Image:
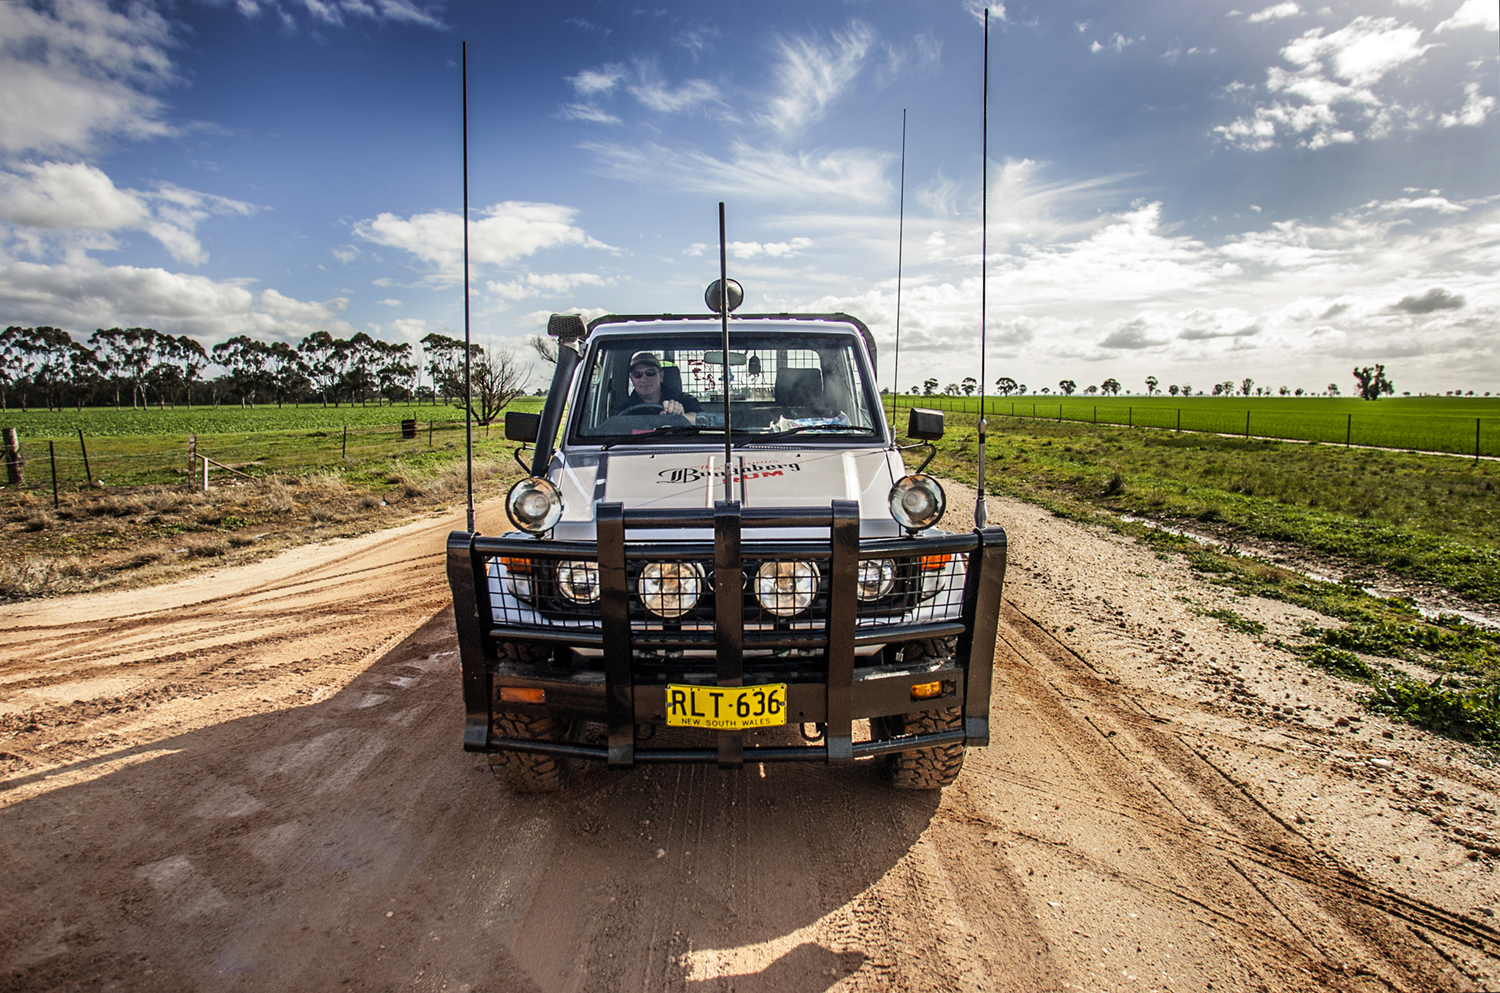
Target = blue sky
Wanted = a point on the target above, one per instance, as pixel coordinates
(1200, 192)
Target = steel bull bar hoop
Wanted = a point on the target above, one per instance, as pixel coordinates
(617, 627)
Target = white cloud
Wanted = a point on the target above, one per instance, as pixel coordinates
(591, 82)
(1118, 43)
(504, 232)
(389, 302)
(976, 9)
(774, 250)
(1480, 14)
(335, 12)
(1275, 12)
(533, 284)
(82, 295)
(1331, 95)
(1476, 108)
(810, 76)
(79, 73)
(842, 176)
(65, 197)
(655, 94)
(587, 112)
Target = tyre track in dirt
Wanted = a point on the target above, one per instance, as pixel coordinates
(300, 816)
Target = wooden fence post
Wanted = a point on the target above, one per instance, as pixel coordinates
(87, 471)
(52, 454)
(1348, 430)
(345, 453)
(192, 451)
(15, 472)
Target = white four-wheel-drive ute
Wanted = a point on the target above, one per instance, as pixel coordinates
(716, 546)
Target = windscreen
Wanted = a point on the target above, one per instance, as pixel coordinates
(672, 387)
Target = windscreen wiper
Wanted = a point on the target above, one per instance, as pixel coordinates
(778, 435)
(665, 431)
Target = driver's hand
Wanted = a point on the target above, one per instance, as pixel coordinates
(671, 407)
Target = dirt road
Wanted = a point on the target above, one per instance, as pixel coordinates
(253, 781)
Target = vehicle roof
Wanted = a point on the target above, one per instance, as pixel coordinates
(632, 324)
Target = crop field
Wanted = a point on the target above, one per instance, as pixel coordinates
(151, 446)
(1454, 425)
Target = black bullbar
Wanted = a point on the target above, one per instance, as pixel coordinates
(623, 692)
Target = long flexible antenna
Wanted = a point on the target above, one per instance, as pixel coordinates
(900, 243)
(468, 348)
(724, 319)
(981, 512)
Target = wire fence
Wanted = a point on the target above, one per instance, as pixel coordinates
(73, 462)
(1419, 432)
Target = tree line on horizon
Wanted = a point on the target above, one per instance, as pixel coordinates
(45, 366)
(1371, 383)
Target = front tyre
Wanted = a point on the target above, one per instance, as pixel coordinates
(528, 772)
(922, 768)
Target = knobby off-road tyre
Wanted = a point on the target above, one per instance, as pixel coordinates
(525, 771)
(925, 768)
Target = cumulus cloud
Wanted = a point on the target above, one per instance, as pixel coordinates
(769, 249)
(1473, 14)
(1476, 108)
(81, 295)
(81, 72)
(850, 175)
(533, 284)
(1275, 12)
(504, 232)
(1434, 299)
(811, 75)
(71, 196)
(1329, 95)
(1131, 335)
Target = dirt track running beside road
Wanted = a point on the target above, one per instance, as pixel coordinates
(253, 780)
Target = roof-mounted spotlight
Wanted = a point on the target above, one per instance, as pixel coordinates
(712, 297)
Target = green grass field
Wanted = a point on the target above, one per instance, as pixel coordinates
(150, 447)
(1427, 424)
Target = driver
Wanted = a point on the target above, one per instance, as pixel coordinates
(647, 387)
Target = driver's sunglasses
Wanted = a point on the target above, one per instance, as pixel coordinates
(643, 374)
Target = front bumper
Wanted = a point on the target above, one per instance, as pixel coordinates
(832, 684)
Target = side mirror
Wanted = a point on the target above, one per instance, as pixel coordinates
(525, 427)
(713, 296)
(925, 425)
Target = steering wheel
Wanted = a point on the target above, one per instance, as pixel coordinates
(640, 410)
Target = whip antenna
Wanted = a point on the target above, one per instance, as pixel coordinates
(900, 242)
(468, 348)
(981, 512)
(724, 323)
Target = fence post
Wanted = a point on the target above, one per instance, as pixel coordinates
(192, 451)
(52, 454)
(15, 471)
(429, 434)
(1179, 418)
(85, 448)
(1348, 430)
(1476, 441)
(344, 454)
(204, 460)
(1247, 425)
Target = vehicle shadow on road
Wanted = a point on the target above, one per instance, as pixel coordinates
(351, 843)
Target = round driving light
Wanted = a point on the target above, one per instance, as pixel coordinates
(670, 589)
(578, 581)
(876, 578)
(534, 505)
(786, 588)
(917, 502)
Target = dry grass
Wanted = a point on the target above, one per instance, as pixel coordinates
(102, 538)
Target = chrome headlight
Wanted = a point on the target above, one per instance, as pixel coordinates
(917, 502)
(877, 577)
(670, 589)
(578, 581)
(534, 505)
(786, 588)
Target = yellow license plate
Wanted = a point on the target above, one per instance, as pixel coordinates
(726, 708)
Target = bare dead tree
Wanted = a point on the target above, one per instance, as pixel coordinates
(496, 378)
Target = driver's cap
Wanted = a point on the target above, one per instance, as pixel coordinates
(645, 358)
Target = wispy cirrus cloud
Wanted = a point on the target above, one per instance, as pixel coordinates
(810, 75)
(853, 175)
